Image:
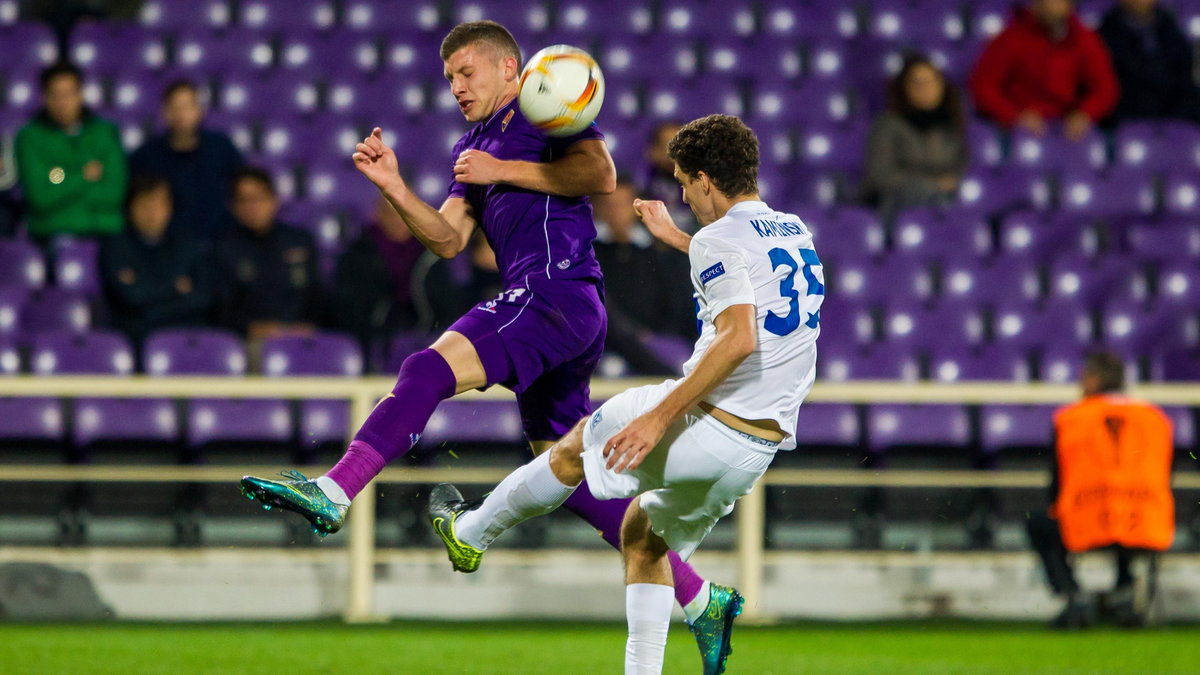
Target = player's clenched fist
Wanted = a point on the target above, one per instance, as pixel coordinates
(375, 160)
(658, 220)
(477, 168)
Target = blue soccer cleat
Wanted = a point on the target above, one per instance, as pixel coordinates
(297, 494)
(714, 629)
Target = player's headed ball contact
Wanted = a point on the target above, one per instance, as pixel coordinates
(562, 90)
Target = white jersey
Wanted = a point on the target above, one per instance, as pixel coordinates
(761, 257)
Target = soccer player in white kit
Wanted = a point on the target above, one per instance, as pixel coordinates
(686, 448)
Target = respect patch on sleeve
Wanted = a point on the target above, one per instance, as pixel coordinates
(712, 273)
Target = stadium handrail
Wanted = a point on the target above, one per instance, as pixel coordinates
(362, 394)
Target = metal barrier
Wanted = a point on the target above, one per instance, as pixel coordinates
(363, 393)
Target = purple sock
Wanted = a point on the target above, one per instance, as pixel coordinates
(607, 515)
(395, 425)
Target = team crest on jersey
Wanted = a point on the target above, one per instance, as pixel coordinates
(563, 264)
(506, 120)
(712, 273)
(596, 416)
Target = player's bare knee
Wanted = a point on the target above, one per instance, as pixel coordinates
(463, 360)
(566, 461)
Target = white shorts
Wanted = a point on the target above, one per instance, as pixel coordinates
(699, 469)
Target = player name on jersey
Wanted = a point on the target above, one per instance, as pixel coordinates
(771, 228)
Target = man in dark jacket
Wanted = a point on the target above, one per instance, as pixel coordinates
(71, 164)
(155, 276)
(269, 283)
(1045, 66)
(199, 163)
(1153, 61)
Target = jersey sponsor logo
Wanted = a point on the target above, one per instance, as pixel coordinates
(771, 228)
(712, 273)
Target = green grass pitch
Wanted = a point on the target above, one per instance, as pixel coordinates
(531, 648)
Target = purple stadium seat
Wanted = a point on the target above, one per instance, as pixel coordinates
(193, 351)
(1061, 363)
(825, 146)
(811, 187)
(879, 362)
(1167, 240)
(237, 51)
(782, 58)
(31, 419)
(846, 322)
(1178, 285)
(119, 419)
(1181, 365)
(927, 328)
(523, 19)
(1129, 328)
(10, 357)
(1142, 145)
(10, 11)
(1053, 152)
(12, 303)
(1004, 426)
(21, 92)
(1183, 420)
(867, 282)
(183, 14)
(847, 232)
(891, 425)
(988, 17)
(340, 187)
(950, 363)
(827, 424)
(380, 16)
(1118, 194)
(717, 96)
(814, 101)
(1021, 326)
(77, 266)
(28, 45)
(930, 233)
(343, 53)
(985, 144)
(285, 16)
(809, 19)
(323, 355)
(1002, 188)
(402, 346)
(1091, 282)
(109, 48)
(234, 420)
(21, 265)
(94, 353)
(49, 310)
(1002, 279)
(1040, 237)
(670, 349)
(828, 60)
(1181, 194)
(474, 421)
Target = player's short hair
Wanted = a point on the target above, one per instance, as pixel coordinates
(143, 184)
(488, 32)
(177, 86)
(1107, 368)
(721, 146)
(51, 72)
(255, 174)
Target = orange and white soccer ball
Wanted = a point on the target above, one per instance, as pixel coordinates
(562, 90)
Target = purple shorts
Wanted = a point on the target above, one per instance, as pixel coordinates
(543, 340)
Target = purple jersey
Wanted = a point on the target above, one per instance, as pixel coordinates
(533, 234)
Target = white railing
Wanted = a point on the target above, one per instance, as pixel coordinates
(364, 392)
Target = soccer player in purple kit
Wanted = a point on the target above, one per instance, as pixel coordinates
(542, 337)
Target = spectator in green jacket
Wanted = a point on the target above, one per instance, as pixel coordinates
(70, 163)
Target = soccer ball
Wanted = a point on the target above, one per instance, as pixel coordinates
(561, 90)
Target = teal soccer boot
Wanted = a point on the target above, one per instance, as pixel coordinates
(298, 494)
(714, 629)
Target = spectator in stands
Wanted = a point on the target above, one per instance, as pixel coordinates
(917, 150)
(70, 162)
(372, 294)
(268, 283)
(155, 275)
(1110, 488)
(198, 162)
(659, 179)
(1045, 66)
(634, 284)
(1153, 61)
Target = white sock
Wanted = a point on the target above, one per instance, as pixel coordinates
(532, 490)
(332, 490)
(695, 609)
(648, 611)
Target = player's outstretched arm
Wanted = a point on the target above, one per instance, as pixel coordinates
(735, 340)
(445, 231)
(658, 220)
(586, 169)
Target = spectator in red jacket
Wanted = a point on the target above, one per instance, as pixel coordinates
(1046, 65)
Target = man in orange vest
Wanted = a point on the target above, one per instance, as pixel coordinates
(1110, 488)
